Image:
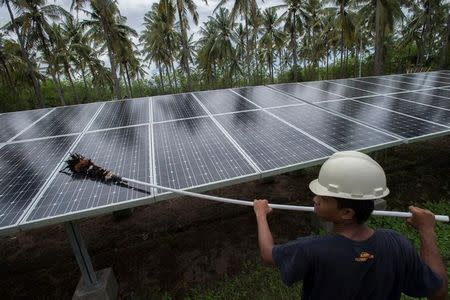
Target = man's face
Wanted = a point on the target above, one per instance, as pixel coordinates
(327, 209)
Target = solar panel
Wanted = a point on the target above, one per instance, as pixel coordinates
(13, 123)
(270, 143)
(223, 101)
(124, 150)
(395, 84)
(173, 107)
(402, 125)
(344, 91)
(305, 93)
(122, 113)
(24, 168)
(367, 86)
(338, 132)
(194, 152)
(63, 120)
(422, 97)
(266, 97)
(205, 139)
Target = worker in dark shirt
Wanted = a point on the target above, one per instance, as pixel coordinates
(355, 261)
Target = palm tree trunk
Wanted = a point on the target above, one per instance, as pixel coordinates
(83, 74)
(379, 36)
(36, 84)
(161, 76)
(66, 68)
(168, 77)
(128, 79)
(185, 51)
(445, 46)
(116, 83)
(294, 48)
(58, 86)
(174, 75)
(342, 39)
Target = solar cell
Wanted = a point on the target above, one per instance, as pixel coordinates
(393, 122)
(367, 86)
(173, 107)
(338, 132)
(395, 84)
(445, 80)
(341, 90)
(195, 152)
(422, 97)
(266, 97)
(13, 123)
(63, 120)
(429, 113)
(122, 113)
(270, 143)
(24, 168)
(223, 101)
(438, 92)
(125, 151)
(305, 93)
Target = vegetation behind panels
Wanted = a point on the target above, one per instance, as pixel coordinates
(50, 57)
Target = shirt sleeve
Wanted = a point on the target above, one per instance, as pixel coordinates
(420, 280)
(292, 259)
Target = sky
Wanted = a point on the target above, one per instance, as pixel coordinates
(134, 11)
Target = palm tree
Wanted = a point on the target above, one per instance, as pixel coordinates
(105, 19)
(25, 55)
(248, 9)
(34, 19)
(380, 15)
(294, 17)
(272, 37)
(184, 6)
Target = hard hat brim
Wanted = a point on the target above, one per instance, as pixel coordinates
(320, 190)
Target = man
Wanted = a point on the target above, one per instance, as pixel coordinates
(355, 261)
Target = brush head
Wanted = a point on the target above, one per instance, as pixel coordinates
(79, 165)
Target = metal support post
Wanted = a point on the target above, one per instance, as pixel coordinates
(81, 254)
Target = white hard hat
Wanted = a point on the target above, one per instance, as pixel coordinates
(350, 175)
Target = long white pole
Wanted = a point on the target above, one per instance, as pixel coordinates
(400, 214)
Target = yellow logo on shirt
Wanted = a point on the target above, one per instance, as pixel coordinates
(363, 257)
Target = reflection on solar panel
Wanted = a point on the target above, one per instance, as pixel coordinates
(124, 150)
(367, 86)
(194, 152)
(203, 140)
(422, 97)
(392, 83)
(338, 132)
(269, 142)
(266, 97)
(305, 93)
(173, 107)
(13, 123)
(223, 101)
(63, 120)
(344, 91)
(401, 125)
(122, 113)
(24, 168)
(429, 113)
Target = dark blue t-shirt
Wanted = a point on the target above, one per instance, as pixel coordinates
(335, 267)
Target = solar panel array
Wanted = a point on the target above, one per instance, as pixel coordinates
(203, 140)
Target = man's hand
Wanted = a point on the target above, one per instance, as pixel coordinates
(261, 207)
(422, 220)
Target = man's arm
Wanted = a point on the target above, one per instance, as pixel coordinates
(423, 221)
(265, 240)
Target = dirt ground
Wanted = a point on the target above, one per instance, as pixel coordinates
(183, 243)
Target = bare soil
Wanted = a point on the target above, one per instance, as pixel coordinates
(183, 243)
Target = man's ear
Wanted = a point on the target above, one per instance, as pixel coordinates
(347, 213)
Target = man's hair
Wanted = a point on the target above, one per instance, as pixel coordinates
(362, 208)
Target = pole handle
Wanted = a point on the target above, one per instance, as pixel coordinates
(400, 214)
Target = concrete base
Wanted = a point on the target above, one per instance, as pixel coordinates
(380, 204)
(106, 289)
